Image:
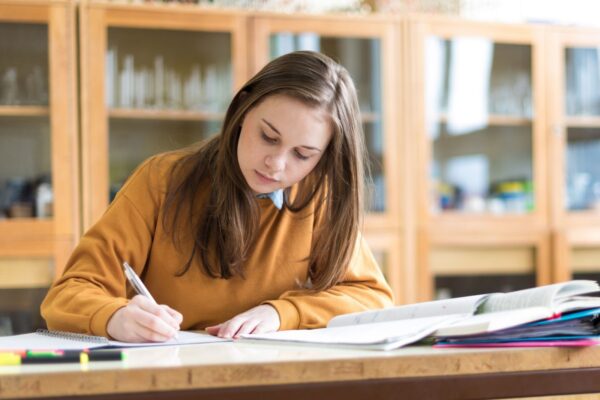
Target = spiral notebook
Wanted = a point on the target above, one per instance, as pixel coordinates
(44, 339)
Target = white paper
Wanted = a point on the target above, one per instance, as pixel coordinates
(39, 341)
(382, 335)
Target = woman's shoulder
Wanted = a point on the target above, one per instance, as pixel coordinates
(153, 174)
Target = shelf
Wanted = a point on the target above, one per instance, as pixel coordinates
(24, 111)
(583, 121)
(499, 120)
(175, 115)
(16, 228)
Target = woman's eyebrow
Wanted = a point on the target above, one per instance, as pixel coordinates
(271, 126)
(279, 133)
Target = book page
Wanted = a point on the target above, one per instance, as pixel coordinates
(577, 303)
(543, 296)
(382, 335)
(459, 305)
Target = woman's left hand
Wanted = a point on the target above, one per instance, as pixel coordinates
(259, 319)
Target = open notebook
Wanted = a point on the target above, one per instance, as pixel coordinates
(46, 340)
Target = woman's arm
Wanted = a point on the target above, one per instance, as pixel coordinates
(363, 288)
(92, 288)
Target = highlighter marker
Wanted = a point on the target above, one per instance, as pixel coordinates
(10, 359)
(59, 357)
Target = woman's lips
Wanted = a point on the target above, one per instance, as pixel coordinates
(265, 179)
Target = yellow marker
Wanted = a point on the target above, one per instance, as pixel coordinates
(84, 358)
(10, 359)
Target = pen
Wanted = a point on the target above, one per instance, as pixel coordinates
(59, 356)
(137, 284)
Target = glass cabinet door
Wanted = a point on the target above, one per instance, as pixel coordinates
(582, 147)
(25, 151)
(163, 96)
(168, 79)
(479, 121)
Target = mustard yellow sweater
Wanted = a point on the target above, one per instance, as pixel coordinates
(93, 285)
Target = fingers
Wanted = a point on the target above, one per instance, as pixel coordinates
(124, 325)
(262, 328)
(152, 326)
(230, 328)
(213, 330)
(247, 327)
(260, 319)
(175, 314)
(154, 322)
(164, 312)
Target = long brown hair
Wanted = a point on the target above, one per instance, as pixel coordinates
(225, 230)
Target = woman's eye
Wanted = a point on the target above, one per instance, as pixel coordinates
(268, 139)
(301, 156)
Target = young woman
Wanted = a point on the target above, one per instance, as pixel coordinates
(254, 230)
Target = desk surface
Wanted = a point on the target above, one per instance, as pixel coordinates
(213, 369)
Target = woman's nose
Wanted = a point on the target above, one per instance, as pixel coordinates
(275, 162)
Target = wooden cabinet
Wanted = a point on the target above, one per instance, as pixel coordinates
(368, 48)
(481, 173)
(154, 78)
(39, 186)
(574, 131)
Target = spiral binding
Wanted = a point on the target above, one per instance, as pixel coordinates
(78, 337)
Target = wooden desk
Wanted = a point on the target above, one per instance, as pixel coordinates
(257, 371)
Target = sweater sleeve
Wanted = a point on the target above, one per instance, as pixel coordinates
(362, 288)
(92, 286)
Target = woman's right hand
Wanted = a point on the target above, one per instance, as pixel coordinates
(142, 320)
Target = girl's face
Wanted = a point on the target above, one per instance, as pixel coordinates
(281, 141)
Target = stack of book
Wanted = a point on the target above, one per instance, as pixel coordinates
(562, 314)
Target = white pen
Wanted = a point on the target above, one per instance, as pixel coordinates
(137, 284)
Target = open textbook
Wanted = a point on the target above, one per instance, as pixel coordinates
(45, 340)
(394, 327)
